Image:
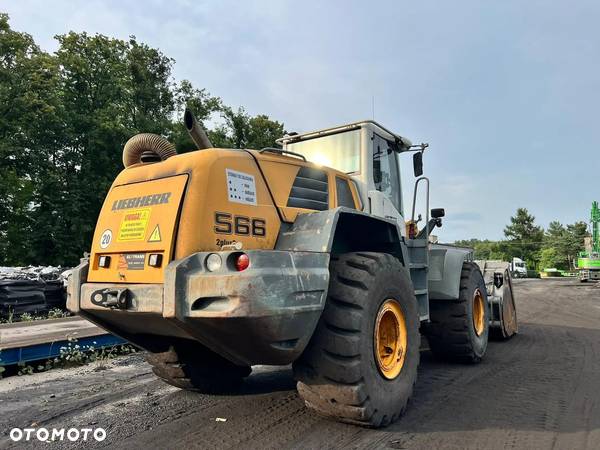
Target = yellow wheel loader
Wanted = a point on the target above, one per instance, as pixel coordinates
(218, 259)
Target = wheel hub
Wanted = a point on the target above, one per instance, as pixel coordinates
(478, 312)
(390, 339)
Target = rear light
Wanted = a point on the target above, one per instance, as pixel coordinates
(104, 261)
(155, 259)
(213, 262)
(242, 262)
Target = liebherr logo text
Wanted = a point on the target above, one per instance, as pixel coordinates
(146, 200)
(57, 434)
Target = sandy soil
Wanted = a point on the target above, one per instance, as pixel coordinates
(538, 390)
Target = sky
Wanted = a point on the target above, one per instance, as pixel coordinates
(506, 93)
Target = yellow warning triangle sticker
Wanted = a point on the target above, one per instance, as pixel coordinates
(155, 236)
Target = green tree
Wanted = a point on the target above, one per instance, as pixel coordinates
(71, 181)
(524, 237)
(555, 239)
(29, 130)
(549, 258)
(202, 104)
(565, 243)
(483, 249)
(243, 131)
(152, 99)
(263, 132)
(575, 236)
(555, 234)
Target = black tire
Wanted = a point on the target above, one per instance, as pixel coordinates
(337, 374)
(451, 332)
(191, 366)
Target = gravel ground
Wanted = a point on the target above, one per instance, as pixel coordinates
(541, 389)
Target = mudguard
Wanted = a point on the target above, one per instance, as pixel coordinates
(342, 230)
(445, 267)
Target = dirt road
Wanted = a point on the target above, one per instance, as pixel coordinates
(538, 390)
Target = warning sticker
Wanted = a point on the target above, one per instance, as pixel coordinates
(133, 225)
(155, 235)
(241, 187)
(131, 261)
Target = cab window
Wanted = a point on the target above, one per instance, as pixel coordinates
(339, 151)
(344, 194)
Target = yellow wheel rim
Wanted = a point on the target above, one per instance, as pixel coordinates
(478, 312)
(390, 339)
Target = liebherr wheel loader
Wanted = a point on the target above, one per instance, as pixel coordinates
(216, 260)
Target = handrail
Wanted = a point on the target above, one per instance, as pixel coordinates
(427, 204)
(281, 152)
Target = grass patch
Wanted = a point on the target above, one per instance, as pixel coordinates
(54, 313)
(72, 355)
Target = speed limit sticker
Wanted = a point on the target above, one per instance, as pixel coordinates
(105, 239)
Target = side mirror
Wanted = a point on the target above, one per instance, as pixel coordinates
(437, 213)
(418, 164)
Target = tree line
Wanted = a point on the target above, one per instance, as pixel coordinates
(64, 118)
(556, 247)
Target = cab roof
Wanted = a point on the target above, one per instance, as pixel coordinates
(290, 138)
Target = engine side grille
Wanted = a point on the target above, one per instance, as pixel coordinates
(310, 190)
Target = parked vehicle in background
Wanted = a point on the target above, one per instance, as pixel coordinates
(588, 263)
(518, 269)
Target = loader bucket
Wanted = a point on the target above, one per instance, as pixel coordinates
(503, 317)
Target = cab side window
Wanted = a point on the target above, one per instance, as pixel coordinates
(344, 194)
(385, 170)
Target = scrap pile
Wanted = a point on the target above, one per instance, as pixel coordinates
(31, 289)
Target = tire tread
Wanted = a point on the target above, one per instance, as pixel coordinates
(329, 374)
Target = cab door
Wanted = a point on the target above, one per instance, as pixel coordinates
(386, 199)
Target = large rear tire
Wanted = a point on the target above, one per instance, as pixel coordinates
(361, 363)
(459, 329)
(191, 366)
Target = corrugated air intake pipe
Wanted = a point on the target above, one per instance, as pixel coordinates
(145, 148)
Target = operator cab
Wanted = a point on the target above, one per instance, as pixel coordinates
(369, 154)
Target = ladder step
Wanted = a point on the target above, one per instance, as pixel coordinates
(420, 291)
(417, 265)
(416, 243)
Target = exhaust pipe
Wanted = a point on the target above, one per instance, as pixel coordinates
(196, 132)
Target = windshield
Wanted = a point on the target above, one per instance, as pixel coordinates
(339, 151)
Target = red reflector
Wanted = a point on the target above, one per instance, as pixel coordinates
(242, 262)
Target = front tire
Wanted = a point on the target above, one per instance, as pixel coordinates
(361, 363)
(459, 329)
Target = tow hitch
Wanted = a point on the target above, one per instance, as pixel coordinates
(111, 298)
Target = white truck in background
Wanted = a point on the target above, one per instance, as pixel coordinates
(518, 268)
